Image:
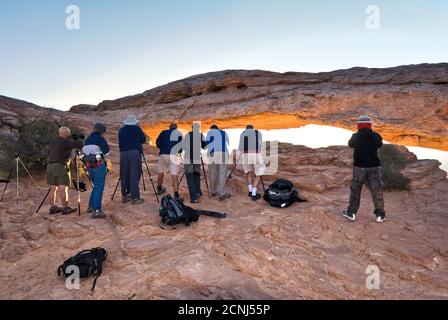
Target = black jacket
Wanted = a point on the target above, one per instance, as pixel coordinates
(365, 144)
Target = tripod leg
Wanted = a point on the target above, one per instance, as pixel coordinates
(29, 174)
(42, 203)
(77, 184)
(262, 184)
(206, 181)
(9, 179)
(150, 178)
(143, 180)
(182, 178)
(116, 188)
(17, 175)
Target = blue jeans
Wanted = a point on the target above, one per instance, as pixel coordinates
(98, 176)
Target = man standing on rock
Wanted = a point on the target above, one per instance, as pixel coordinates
(169, 143)
(366, 169)
(193, 144)
(58, 172)
(218, 157)
(251, 142)
(131, 138)
(96, 151)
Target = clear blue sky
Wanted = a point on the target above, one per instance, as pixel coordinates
(127, 47)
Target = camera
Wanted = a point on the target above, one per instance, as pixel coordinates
(78, 136)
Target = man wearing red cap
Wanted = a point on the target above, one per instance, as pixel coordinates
(366, 169)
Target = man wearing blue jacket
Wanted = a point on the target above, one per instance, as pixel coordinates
(169, 143)
(131, 138)
(96, 151)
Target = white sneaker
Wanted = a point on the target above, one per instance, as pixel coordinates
(380, 219)
(349, 216)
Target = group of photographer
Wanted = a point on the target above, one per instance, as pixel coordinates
(172, 143)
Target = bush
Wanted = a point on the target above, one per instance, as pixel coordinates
(392, 162)
(30, 142)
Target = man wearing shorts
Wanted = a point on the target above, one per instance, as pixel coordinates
(251, 142)
(169, 143)
(58, 172)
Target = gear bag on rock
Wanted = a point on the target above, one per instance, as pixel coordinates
(89, 263)
(281, 194)
(174, 211)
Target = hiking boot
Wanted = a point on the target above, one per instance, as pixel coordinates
(160, 190)
(249, 194)
(68, 210)
(89, 210)
(178, 197)
(200, 194)
(224, 197)
(98, 214)
(349, 216)
(125, 199)
(256, 197)
(55, 209)
(214, 195)
(137, 201)
(194, 201)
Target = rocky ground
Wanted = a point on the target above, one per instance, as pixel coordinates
(307, 251)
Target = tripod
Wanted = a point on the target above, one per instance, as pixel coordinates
(143, 178)
(15, 165)
(205, 176)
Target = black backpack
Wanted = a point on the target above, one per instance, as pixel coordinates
(89, 262)
(174, 211)
(281, 194)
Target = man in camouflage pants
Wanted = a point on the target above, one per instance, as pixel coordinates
(366, 169)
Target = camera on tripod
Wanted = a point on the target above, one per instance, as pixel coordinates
(78, 136)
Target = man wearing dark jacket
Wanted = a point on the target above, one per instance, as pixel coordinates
(169, 143)
(131, 138)
(193, 144)
(96, 151)
(366, 169)
(58, 172)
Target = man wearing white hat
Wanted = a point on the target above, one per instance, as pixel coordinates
(366, 169)
(131, 138)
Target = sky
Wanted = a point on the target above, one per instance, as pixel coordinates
(127, 47)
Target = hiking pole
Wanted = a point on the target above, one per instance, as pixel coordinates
(150, 177)
(116, 188)
(205, 175)
(77, 183)
(42, 203)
